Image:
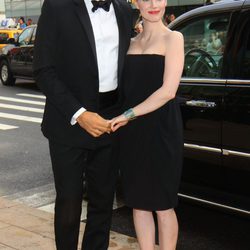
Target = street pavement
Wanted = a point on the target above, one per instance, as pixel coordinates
(26, 177)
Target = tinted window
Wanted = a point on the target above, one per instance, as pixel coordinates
(205, 40)
(25, 36)
(246, 62)
(245, 39)
(3, 37)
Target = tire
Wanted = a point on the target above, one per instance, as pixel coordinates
(6, 75)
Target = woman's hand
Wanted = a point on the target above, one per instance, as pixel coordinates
(118, 122)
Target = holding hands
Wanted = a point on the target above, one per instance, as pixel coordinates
(118, 122)
(96, 126)
(122, 120)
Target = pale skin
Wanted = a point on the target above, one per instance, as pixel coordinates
(156, 38)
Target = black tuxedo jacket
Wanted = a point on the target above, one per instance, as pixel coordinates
(65, 66)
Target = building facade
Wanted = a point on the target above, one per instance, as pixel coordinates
(32, 8)
(2, 10)
(25, 8)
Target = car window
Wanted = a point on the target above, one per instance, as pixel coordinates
(246, 61)
(3, 38)
(32, 41)
(205, 40)
(245, 39)
(25, 36)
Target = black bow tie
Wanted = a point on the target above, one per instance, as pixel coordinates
(105, 4)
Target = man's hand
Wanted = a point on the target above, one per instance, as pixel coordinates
(93, 123)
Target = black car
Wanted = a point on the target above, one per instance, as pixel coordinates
(215, 102)
(16, 59)
(214, 96)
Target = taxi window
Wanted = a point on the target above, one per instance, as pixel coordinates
(3, 38)
(205, 40)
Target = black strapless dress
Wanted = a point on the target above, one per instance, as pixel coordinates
(150, 147)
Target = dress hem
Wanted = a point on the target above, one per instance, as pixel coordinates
(152, 209)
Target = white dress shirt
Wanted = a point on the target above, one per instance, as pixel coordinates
(106, 36)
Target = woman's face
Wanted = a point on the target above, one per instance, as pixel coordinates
(151, 10)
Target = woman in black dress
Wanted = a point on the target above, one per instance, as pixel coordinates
(151, 145)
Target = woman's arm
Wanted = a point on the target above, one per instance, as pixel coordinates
(174, 61)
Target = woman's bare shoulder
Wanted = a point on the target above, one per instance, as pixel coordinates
(173, 36)
(173, 41)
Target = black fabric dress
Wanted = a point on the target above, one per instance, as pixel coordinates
(151, 145)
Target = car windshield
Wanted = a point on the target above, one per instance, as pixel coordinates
(3, 38)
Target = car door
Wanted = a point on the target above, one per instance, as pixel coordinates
(30, 55)
(201, 95)
(18, 54)
(236, 124)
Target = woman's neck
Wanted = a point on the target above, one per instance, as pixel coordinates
(152, 29)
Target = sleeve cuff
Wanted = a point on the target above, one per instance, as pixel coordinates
(76, 115)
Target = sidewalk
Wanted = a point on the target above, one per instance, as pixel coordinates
(26, 228)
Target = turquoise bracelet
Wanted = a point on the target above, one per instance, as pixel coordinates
(129, 114)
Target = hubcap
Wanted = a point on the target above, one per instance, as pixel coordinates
(4, 73)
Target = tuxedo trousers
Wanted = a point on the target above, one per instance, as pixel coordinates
(70, 165)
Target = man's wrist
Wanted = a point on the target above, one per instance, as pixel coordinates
(76, 115)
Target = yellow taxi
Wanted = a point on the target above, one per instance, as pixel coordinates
(6, 34)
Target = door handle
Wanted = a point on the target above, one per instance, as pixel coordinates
(201, 103)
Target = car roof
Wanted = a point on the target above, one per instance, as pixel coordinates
(10, 31)
(220, 6)
(7, 29)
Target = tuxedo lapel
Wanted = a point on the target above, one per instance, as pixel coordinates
(120, 17)
(82, 13)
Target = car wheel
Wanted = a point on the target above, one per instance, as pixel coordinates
(6, 76)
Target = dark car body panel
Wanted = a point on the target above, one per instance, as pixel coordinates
(20, 56)
(216, 116)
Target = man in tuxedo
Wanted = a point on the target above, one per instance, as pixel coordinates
(79, 55)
